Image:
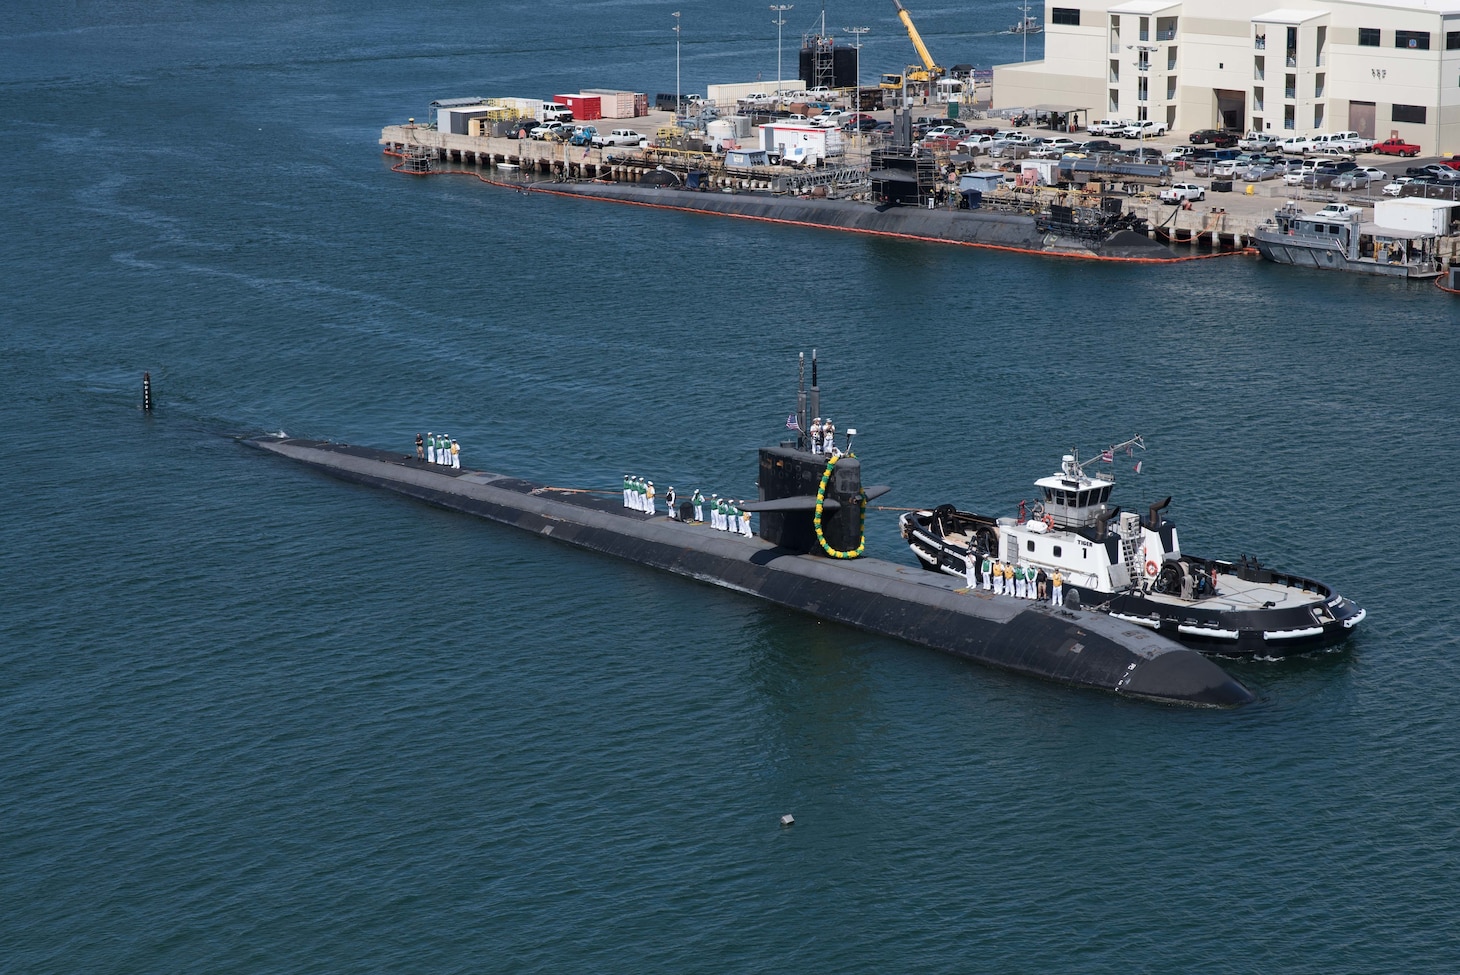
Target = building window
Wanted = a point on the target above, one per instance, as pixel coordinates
(1413, 40)
(1452, 40)
(1069, 16)
(1368, 37)
(1114, 101)
(1409, 113)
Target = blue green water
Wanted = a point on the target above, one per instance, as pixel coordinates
(252, 719)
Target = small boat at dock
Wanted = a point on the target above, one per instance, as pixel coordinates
(1338, 238)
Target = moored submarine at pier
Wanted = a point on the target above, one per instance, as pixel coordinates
(808, 557)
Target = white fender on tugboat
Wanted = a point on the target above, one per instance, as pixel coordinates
(1207, 631)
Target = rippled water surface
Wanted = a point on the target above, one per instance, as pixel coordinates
(253, 719)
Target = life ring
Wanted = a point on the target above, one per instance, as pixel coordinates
(1151, 567)
(1048, 522)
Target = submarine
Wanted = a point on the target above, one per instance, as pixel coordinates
(808, 556)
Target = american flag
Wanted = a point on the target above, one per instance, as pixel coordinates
(791, 423)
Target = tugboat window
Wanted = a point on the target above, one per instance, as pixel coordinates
(1029, 545)
(1057, 551)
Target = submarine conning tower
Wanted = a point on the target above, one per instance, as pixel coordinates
(790, 480)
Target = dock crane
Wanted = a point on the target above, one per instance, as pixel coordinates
(923, 74)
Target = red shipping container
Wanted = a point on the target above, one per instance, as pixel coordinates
(584, 107)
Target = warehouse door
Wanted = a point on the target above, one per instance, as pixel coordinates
(1361, 118)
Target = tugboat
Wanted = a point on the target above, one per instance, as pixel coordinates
(1131, 567)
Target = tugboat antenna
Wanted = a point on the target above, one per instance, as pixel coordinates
(1104, 455)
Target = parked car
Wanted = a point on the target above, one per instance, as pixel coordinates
(1142, 154)
(829, 119)
(954, 132)
(1144, 130)
(1100, 145)
(1335, 150)
(1217, 137)
(1298, 145)
(550, 130)
(1394, 188)
(1177, 152)
(1437, 171)
(1396, 147)
(1352, 180)
(1182, 193)
(819, 93)
(1256, 172)
(1374, 173)
(1053, 148)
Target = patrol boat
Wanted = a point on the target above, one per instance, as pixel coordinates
(1131, 567)
(809, 556)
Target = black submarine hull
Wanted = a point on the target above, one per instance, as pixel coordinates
(1071, 647)
(974, 228)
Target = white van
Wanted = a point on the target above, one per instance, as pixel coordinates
(553, 112)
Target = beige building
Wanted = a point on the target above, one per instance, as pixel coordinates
(1379, 67)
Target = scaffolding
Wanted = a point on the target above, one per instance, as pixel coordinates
(844, 179)
(418, 159)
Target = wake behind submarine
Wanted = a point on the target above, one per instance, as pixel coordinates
(808, 557)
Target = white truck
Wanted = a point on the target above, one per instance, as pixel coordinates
(1255, 141)
(620, 137)
(1182, 193)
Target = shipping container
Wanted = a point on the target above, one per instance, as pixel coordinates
(613, 103)
(585, 108)
(1421, 216)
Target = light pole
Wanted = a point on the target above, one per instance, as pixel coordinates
(779, 9)
(857, 32)
(678, 98)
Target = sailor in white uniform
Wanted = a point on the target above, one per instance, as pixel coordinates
(745, 524)
(455, 456)
(816, 435)
(430, 447)
(649, 498)
(627, 480)
(828, 436)
(699, 503)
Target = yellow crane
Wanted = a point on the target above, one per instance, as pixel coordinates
(929, 71)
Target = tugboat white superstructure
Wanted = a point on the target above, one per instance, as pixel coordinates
(1131, 567)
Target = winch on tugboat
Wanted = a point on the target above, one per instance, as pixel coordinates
(1130, 566)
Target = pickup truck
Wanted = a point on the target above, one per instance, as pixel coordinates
(1182, 192)
(1257, 142)
(1396, 147)
(619, 137)
(1144, 130)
